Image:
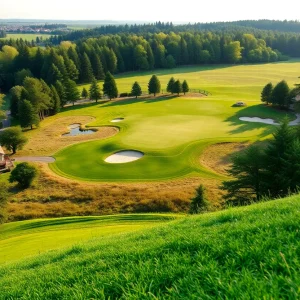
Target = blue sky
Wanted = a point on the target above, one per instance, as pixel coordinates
(151, 10)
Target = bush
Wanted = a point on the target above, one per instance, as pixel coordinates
(24, 174)
(199, 203)
(124, 95)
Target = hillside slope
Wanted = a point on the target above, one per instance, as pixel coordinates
(242, 253)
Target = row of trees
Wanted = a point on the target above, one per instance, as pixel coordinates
(271, 172)
(93, 57)
(175, 87)
(279, 95)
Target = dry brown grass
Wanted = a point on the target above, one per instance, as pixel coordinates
(53, 196)
(217, 157)
(48, 139)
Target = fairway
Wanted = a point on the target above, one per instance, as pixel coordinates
(25, 36)
(173, 131)
(22, 239)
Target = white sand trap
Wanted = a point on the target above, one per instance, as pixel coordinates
(125, 156)
(117, 120)
(73, 126)
(270, 121)
(259, 120)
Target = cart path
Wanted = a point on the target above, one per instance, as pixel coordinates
(43, 159)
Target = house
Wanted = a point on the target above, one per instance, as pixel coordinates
(5, 162)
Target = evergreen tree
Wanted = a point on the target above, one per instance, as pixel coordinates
(177, 87)
(56, 105)
(140, 56)
(97, 66)
(185, 87)
(199, 202)
(136, 90)
(154, 85)
(37, 63)
(266, 94)
(71, 68)
(280, 94)
(27, 115)
(84, 93)
(71, 90)
(15, 97)
(61, 92)
(170, 85)
(110, 87)
(150, 56)
(95, 93)
(86, 74)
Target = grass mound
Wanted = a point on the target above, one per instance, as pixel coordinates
(245, 253)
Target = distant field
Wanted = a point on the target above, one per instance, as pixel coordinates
(25, 36)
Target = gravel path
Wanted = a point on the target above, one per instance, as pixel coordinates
(44, 159)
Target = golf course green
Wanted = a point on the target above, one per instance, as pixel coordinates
(173, 131)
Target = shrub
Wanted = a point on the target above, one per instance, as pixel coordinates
(124, 95)
(199, 203)
(24, 174)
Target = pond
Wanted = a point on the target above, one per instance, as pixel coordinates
(76, 130)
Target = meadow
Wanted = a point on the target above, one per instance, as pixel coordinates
(240, 253)
(25, 36)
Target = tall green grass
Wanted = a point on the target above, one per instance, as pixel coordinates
(243, 253)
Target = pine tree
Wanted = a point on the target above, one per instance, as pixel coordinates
(71, 90)
(266, 94)
(136, 90)
(86, 74)
(56, 105)
(154, 85)
(110, 87)
(27, 115)
(199, 202)
(177, 87)
(170, 85)
(95, 93)
(280, 94)
(97, 66)
(150, 56)
(61, 92)
(84, 93)
(185, 87)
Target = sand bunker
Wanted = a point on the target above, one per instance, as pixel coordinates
(270, 121)
(117, 120)
(125, 156)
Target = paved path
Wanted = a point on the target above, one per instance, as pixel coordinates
(44, 159)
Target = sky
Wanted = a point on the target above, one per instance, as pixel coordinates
(151, 10)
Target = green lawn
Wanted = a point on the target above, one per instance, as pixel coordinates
(242, 253)
(25, 36)
(27, 238)
(171, 131)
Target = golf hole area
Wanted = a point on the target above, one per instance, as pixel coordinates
(117, 120)
(124, 156)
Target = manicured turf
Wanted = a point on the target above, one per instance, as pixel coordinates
(25, 36)
(26, 238)
(244, 253)
(171, 131)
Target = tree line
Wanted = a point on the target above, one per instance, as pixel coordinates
(94, 57)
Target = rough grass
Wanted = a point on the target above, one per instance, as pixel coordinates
(244, 253)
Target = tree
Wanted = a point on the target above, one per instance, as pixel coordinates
(280, 94)
(21, 75)
(185, 87)
(56, 104)
(61, 91)
(97, 66)
(170, 85)
(248, 171)
(12, 139)
(27, 115)
(95, 93)
(154, 85)
(177, 87)
(199, 203)
(24, 173)
(86, 74)
(232, 52)
(2, 114)
(71, 90)
(110, 87)
(84, 93)
(136, 90)
(170, 62)
(266, 94)
(140, 56)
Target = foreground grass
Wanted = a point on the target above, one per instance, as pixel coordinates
(244, 253)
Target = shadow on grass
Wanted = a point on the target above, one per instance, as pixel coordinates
(261, 111)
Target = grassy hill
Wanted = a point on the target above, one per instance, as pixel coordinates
(242, 253)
